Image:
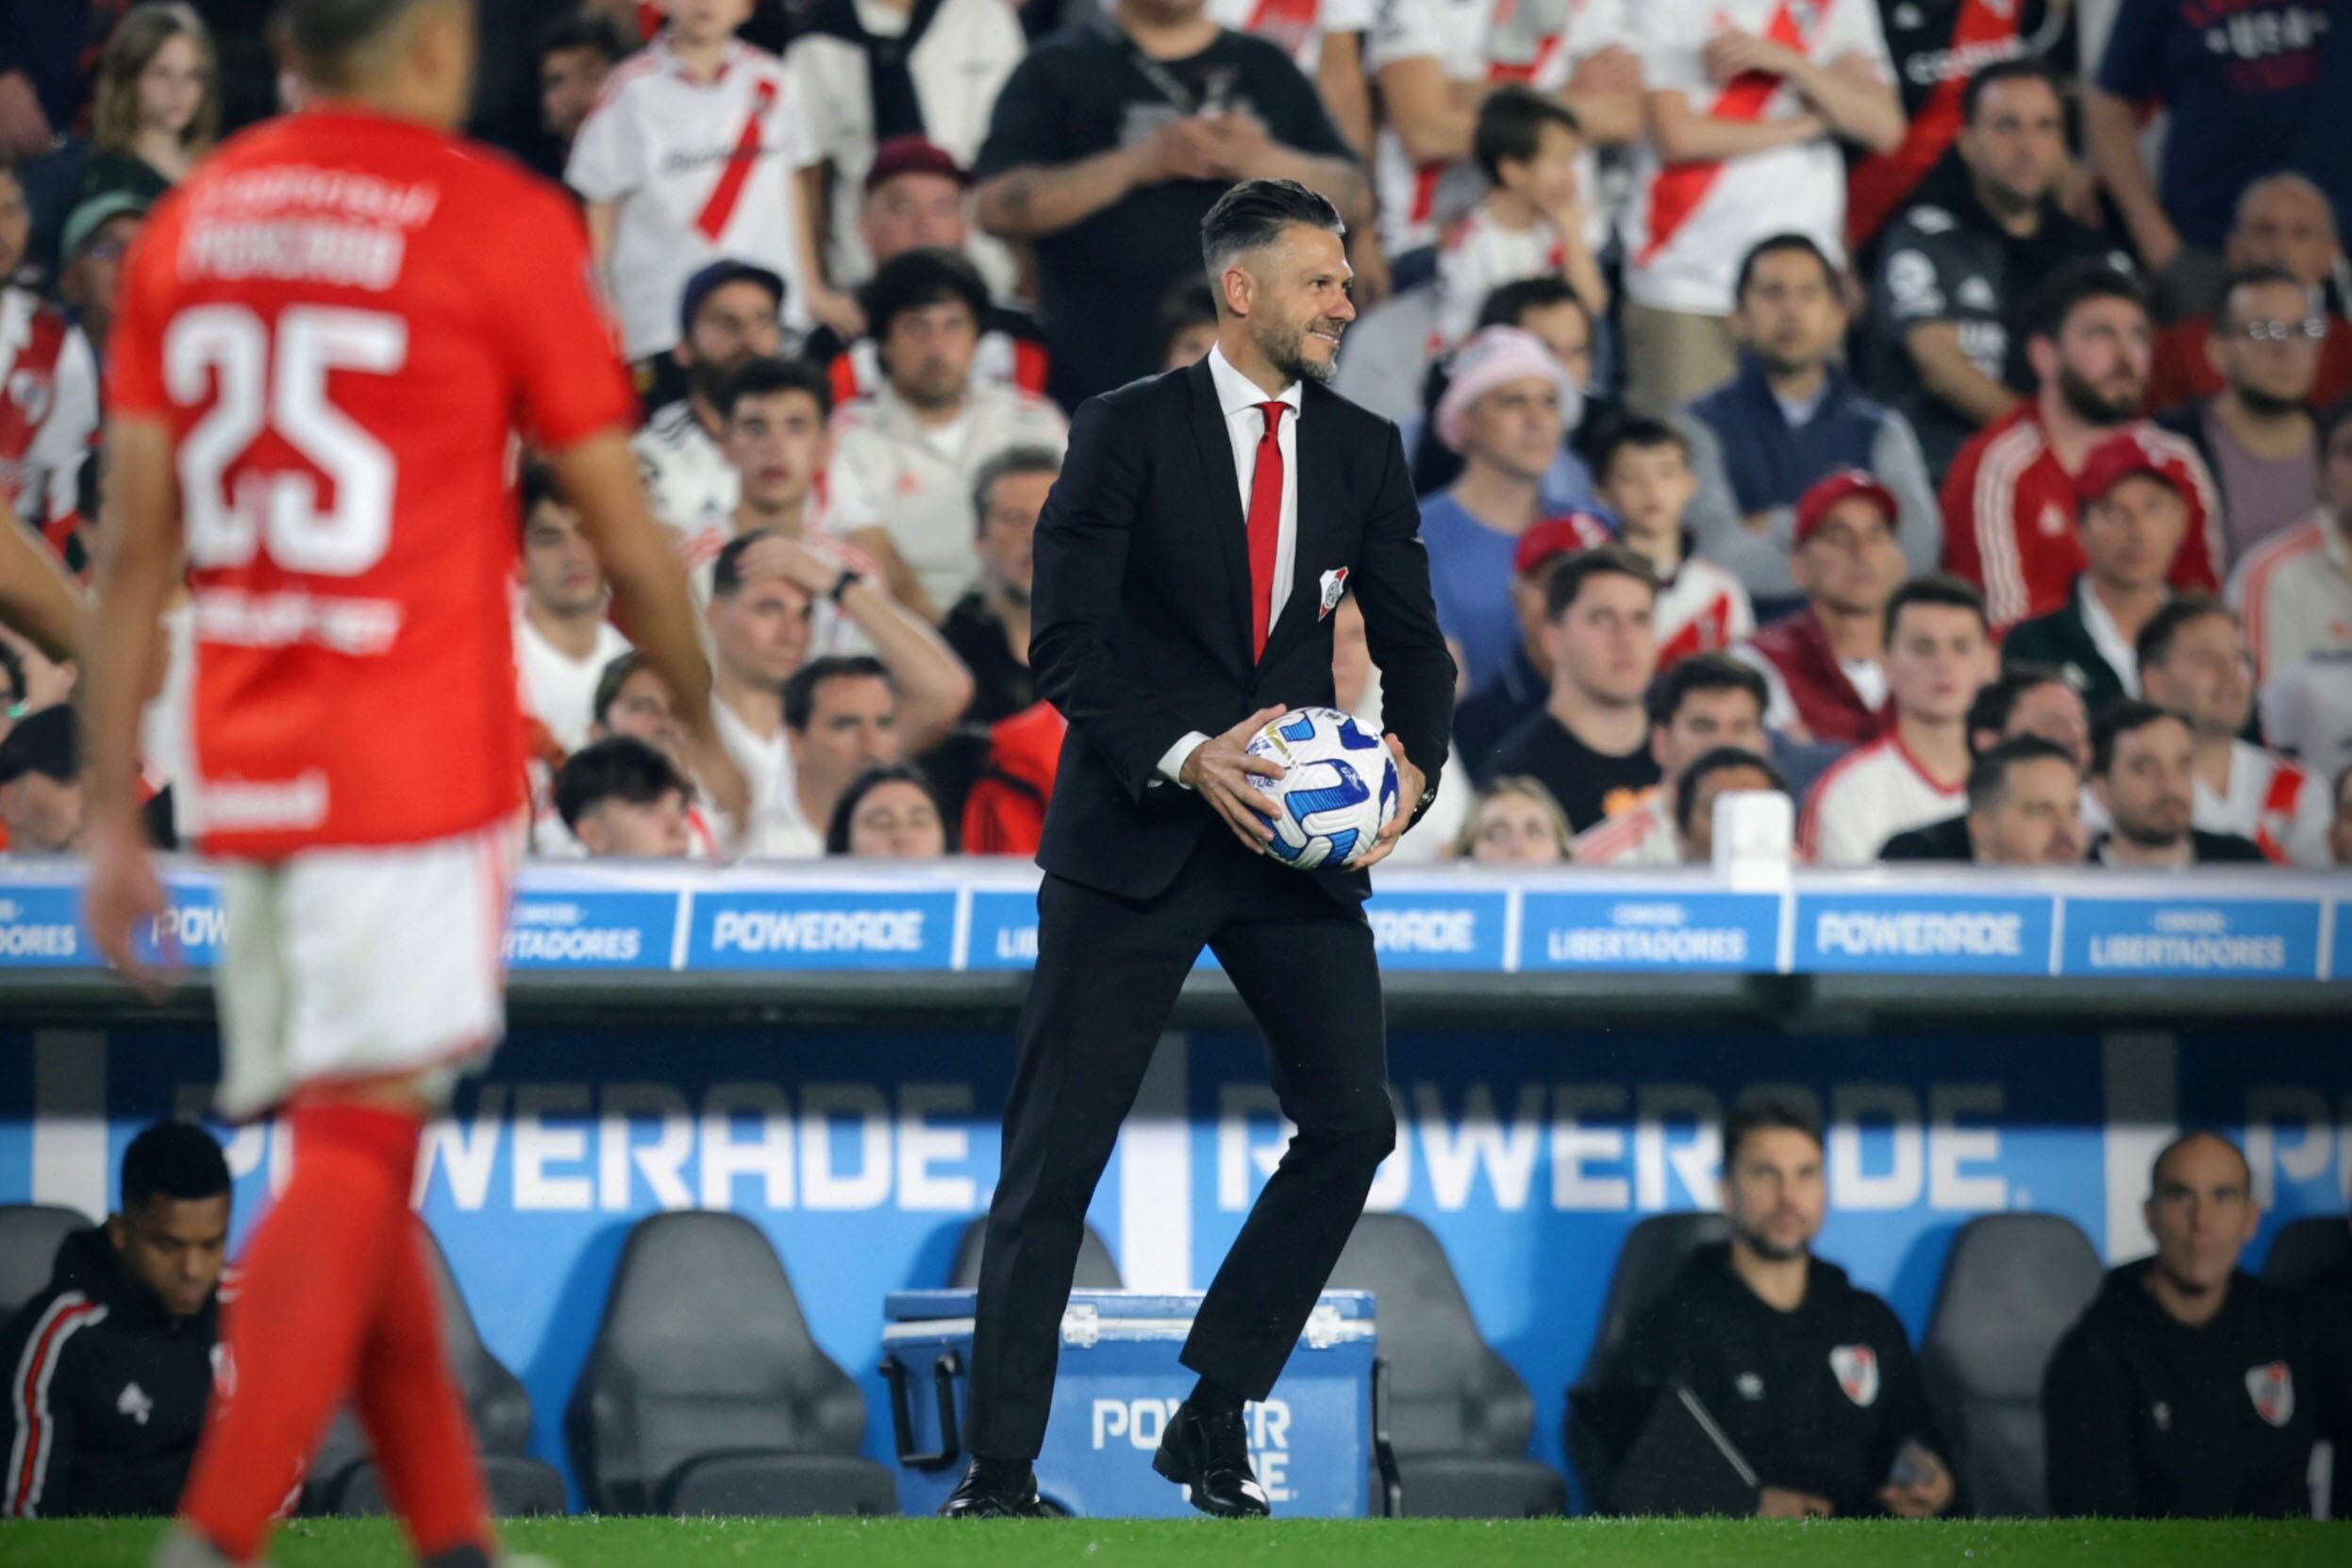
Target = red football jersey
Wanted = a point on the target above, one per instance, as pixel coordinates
(345, 319)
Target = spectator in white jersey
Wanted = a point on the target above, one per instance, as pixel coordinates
(1703, 703)
(889, 812)
(1643, 467)
(1939, 654)
(632, 700)
(562, 639)
(2294, 588)
(622, 798)
(1719, 771)
(728, 317)
(1532, 221)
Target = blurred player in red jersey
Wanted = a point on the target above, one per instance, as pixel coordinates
(324, 342)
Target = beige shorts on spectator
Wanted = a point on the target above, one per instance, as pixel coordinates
(362, 963)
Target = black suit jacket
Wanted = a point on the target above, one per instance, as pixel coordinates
(1141, 615)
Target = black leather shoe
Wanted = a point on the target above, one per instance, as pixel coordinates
(995, 1489)
(1209, 1457)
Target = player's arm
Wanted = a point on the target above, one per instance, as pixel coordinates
(598, 476)
(37, 600)
(121, 643)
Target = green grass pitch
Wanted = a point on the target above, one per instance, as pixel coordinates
(1284, 1544)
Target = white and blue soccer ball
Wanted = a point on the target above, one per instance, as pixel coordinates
(1338, 790)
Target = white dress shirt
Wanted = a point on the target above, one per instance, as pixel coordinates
(1237, 397)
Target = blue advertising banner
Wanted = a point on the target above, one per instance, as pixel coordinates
(796, 928)
(1422, 927)
(40, 927)
(1003, 930)
(593, 929)
(1632, 930)
(2187, 938)
(1956, 931)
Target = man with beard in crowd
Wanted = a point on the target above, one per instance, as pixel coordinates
(729, 315)
(2143, 779)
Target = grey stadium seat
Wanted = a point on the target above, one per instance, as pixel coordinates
(705, 1394)
(1653, 1254)
(1095, 1271)
(2013, 1285)
(2307, 1248)
(29, 1237)
(1459, 1417)
(343, 1479)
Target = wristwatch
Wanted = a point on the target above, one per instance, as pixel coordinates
(842, 584)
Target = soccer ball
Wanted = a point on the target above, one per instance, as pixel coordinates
(1339, 788)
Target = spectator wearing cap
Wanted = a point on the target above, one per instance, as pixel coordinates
(1550, 309)
(622, 798)
(915, 200)
(917, 444)
(2023, 702)
(97, 234)
(40, 783)
(1790, 415)
(2010, 498)
(2144, 786)
(1822, 664)
(1706, 702)
(2294, 588)
(2283, 220)
(1588, 743)
(1718, 772)
(2134, 513)
(1938, 656)
(1108, 148)
(867, 72)
(1519, 688)
(2257, 435)
(2193, 662)
(660, 161)
(1504, 412)
(574, 56)
(1645, 480)
(156, 106)
(727, 316)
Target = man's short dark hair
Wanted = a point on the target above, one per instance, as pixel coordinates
(619, 767)
(727, 571)
(2076, 284)
(1568, 578)
(2121, 718)
(1638, 431)
(846, 808)
(172, 1160)
(2155, 643)
(610, 680)
(800, 692)
(591, 30)
(1936, 588)
(1713, 761)
(1998, 697)
(1004, 465)
(1191, 303)
(13, 678)
(769, 375)
(1783, 244)
(931, 274)
(1704, 672)
(1764, 1112)
(1510, 304)
(48, 742)
(1252, 215)
(2018, 68)
(1988, 774)
(328, 36)
(535, 487)
(1511, 127)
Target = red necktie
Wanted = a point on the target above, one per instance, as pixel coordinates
(1265, 526)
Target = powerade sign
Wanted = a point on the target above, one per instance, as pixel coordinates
(593, 930)
(2187, 939)
(1948, 932)
(1621, 932)
(810, 930)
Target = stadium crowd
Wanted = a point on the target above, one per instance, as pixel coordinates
(1835, 396)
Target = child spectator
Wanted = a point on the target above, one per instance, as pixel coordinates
(1532, 220)
(1646, 478)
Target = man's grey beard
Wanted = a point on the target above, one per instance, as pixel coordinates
(1288, 354)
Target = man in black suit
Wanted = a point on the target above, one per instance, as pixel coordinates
(1206, 523)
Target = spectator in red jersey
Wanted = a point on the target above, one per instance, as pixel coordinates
(728, 317)
(1722, 771)
(562, 639)
(2009, 500)
(888, 813)
(914, 200)
(1004, 813)
(2283, 220)
(2193, 661)
(1513, 821)
(2134, 514)
(1589, 744)
(1517, 692)
(1646, 478)
(1823, 663)
(1939, 653)
(1708, 701)
(622, 798)
(2257, 435)
(49, 401)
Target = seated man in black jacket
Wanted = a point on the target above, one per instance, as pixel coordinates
(2189, 1388)
(1811, 1380)
(113, 1363)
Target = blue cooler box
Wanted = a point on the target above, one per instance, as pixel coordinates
(1310, 1440)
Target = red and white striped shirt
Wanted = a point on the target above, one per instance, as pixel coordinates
(35, 1444)
(1701, 608)
(2008, 518)
(1867, 797)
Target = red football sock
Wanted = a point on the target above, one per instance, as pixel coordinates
(415, 1415)
(312, 1275)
